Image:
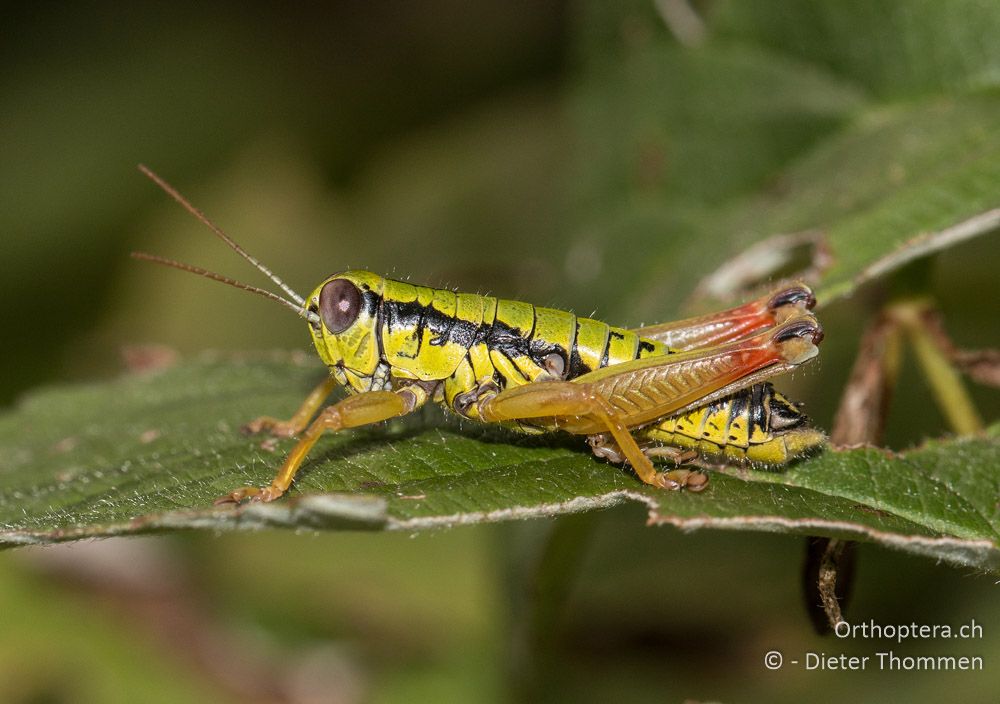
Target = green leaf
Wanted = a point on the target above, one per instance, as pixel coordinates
(150, 453)
(780, 123)
(892, 47)
(652, 123)
(897, 185)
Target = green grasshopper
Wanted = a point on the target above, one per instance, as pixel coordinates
(681, 390)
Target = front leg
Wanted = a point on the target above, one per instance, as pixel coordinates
(298, 422)
(352, 412)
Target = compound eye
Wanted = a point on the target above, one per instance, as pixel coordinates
(339, 305)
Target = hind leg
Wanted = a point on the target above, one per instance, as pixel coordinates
(733, 324)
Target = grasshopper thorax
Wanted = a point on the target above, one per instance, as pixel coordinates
(343, 318)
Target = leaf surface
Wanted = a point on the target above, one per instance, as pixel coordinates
(148, 453)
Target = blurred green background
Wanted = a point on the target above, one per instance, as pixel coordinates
(571, 154)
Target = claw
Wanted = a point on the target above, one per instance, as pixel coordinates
(678, 479)
(696, 481)
(605, 448)
(252, 493)
(676, 455)
(275, 427)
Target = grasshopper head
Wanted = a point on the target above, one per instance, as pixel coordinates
(342, 313)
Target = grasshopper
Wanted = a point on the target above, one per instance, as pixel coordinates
(682, 390)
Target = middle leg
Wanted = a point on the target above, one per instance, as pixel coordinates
(300, 420)
(604, 447)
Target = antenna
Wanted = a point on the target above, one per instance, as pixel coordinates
(173, 193)
(223, 279)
